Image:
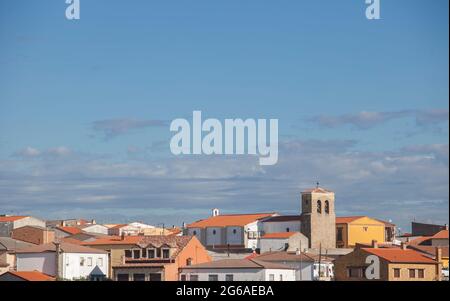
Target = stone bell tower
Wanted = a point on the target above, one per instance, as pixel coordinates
(319, 218)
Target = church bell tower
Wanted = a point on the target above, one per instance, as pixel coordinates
(319, 218)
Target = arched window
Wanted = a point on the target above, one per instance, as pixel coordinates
(195, 232)
(234, 231)
(287, 229)
(327, 206)
(319, 206)
(214, 232)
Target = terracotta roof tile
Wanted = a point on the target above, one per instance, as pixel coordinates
(229, 220)
(347, 219)
(32, 276)
(317, 190)
(443, 234)
(11, 218)
(399, 256)
(70, 230)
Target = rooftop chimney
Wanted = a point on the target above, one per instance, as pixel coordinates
(446, 227)
(438, 254)
(57, 259)
(122, 236)
(404, 246)
(374, 244)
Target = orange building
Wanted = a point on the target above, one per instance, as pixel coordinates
(150, 258)
(395, 264)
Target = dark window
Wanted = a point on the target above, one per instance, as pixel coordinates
(396, 273)
(166, 253)
(214, 232)
(128, 253)
(138, 277)
(287, 229)
(229, 277)
(183, 277)
(327, 206)
(158, 253)
(123, 277)
(319, 206)
(421, 273)
(151, 253)
(155, 277)
(340, 234)
(194, 278)
(213, 277)
(234, 231)
(144, 253)
(355, 272)
(136, 254)
(189, 261)
(195, 233)
(412, 273)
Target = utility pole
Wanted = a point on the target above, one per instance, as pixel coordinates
(301, 262)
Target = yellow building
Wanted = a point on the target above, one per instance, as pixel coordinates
(352, 230)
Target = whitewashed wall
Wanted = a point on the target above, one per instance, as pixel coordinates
(73, 270)
(42, 262)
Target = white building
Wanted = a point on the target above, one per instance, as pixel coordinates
(135, 228)
(306, 265)
(282, 223)
(237, 270)
(72, 262)
(283, 241)
(234, 231)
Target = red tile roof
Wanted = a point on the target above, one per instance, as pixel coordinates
(239, 220)
(347, 219)
(399, 256)
(443, 234)
(11, 218)
(280, 235)
(32, 276)
(70, 230)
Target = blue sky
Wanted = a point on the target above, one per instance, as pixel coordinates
(84, 106)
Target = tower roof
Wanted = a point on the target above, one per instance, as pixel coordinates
(317, 190)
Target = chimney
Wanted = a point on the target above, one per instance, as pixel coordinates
(215, 212)
(404, 245)
(57, 259)
(122, 236)
(446, 227)
(374, 244)
(438, 254)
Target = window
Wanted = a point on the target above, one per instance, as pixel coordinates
(194, 277)
(396, 273)
(340, 235)
(271, 277)
(123, 277)
(166, 253)
(183, 277)
(234, 231)
(213, 277)
(151, 253)
(214, 232)
(365, 229)
(421, 273)
(158, 253)
(355, 272)
(319, 206)
(100, 262)
(327, 206)
(136, 254)
(281, 277)
(155, 277)
(189, 261)
(81, 261)
(229, 277)
(195, 232)
(412, 273)
(138, 277)
(144, 253)
(128, 253)
(287, 229)
(89, 261)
